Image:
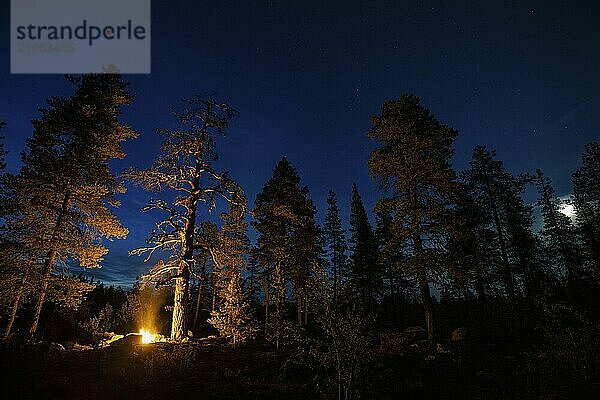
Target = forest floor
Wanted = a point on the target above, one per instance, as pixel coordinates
(209, 370)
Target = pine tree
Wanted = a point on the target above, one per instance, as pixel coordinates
(586, 199)
(12, 257)
(335, 240)
(498, 195)
(15, 258)
(524, 245)
(234, 318)
(287, 245)
(65, 187)
(364, 253)
(412, 165)
(471, 244)
(491, 184)
(558, 229)
(185, 167)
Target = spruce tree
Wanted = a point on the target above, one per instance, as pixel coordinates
(234, 318)
(185, 168)
(228, 250)
(335, 241)
(586, 199)
(364, 253)
(412, 166)
(65, 187)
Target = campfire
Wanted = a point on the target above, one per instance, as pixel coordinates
(149, 337)
(143, 336)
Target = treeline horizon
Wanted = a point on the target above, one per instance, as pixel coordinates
(469, 233)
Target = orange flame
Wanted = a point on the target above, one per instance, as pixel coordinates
(147, 336)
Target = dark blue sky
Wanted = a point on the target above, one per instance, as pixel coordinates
(520, 77)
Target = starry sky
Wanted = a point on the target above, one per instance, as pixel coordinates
(517, 76)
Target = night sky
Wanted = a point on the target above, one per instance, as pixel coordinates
(520, 78)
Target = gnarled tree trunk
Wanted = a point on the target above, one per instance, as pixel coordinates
(178, 322)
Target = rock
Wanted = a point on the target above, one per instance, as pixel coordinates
(415, 333)
(130, 340)
(460, 334)
(81, 347)
(56, 347)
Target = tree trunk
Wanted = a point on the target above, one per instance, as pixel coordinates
(305, 309)
(479, 288)
(267, 310)
(198, 306)
(49, 265)
(393, 300)
(15, 305)
(427, 308)
(214, 295)
(424, 289)
(299, 308)
(506, 272)
(178, 321)
(479, 283)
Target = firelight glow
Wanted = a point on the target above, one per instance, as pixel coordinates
(147, 336)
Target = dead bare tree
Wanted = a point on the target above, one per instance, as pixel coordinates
(184, 167)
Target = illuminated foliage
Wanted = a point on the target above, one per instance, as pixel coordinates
(234, 317)
(64, 191)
